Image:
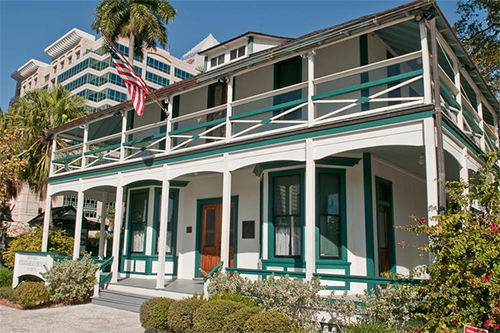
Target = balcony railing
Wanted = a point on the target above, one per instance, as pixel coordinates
(376, 88)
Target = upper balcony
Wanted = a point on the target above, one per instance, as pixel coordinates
(332, 76)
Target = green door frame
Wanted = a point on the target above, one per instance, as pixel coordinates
(390, 222)
(199, 211)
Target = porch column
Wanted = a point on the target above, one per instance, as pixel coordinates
(226, 213)
(431, 175)
(310, 87)
(102, 230)
(464, 171)
(229, 107)
(162, 240)
(78, 223)
(310, 213)
(47, 221)
(426, 66)
(117, 227)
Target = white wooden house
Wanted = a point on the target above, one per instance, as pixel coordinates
(295, 156)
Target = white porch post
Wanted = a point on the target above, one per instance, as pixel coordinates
(47, 220)
(426, 66)
(162, 248)
(226, 213)
(117, 226)
(229, 107)
(310, 213)
(431, 175)
(310, 87)
(102, 230)
(78, 223)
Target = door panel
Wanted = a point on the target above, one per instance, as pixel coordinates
(383, 228)
(211, 231)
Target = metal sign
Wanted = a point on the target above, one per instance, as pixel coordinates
(472, 329)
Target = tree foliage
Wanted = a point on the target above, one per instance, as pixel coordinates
(32, 116)
(32, 241)
(479, 30)
(142, 22)
(464, 281)
(11, 164)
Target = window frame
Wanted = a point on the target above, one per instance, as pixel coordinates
(129, 222)
(342, 258)
(271, 223)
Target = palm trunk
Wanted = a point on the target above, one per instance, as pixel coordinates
(131, 49)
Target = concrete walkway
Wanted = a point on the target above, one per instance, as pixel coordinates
(86, 318)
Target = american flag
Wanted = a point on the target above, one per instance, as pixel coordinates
(136, 88)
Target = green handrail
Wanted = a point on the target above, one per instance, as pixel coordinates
(214, 270)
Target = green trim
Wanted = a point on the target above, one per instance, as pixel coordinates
(65, 158)
(176, 101)
(261, 215)
(368, 85)
(143, 183)
(368, 202)
(270, 109)
(390, 223)
(329, 160)
(363, 100)
(199, 211)
(250, 45)
(258, 144)
(363, 50)
(195, 127)
(178, 183)
(272, 259)
(461, 139)
(148, 259)
(205, 63)
(141, 140)
(343, 217)
(90, 152)
(457, 105)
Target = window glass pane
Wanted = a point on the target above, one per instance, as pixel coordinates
(220, 59)
(233, 54)
(286, 195)
(287, 219)
(241, 51)
(210, 227)
(213, 62)
(329, 215)
(138, 220)
(329, 236)
(170, 222)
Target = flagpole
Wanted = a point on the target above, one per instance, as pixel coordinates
(137, 74)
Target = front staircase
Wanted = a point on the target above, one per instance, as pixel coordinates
(129, 293)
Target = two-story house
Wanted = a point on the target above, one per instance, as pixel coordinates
(297, 156)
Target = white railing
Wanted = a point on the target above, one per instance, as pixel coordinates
(377, 88)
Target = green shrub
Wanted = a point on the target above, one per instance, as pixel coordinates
(180, 314)
(154, 314)
(268, 321)
(5, 277)
(234, 322)
(369, 327)
(71, 281)
(210, 317)
(32, 241)
(30, 294)
(235, 297)
(9, 294)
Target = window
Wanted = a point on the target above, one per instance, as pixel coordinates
(138, 218)
(287, 215)
(216, 61)
(287, 73)
(156, 79)
(172, 208)
(329, 215)
(237, 53)
(156, 64)
(182, 74)
(89, 205)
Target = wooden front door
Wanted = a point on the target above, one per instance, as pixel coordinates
(211, 232)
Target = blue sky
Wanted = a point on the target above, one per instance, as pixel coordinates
(28, 27)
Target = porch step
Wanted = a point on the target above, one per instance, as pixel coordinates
(120, 300)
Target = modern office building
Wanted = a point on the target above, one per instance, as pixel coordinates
(79, 63)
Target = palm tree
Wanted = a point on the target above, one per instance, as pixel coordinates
(34, 114)
(142, 22)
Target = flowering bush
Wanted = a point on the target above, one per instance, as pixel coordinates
(464, 285)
